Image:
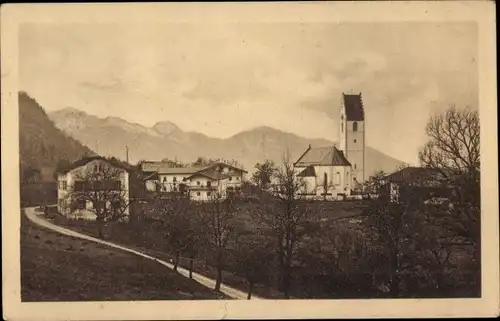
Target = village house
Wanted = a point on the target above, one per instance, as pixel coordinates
(105, 181)
(427, 182)
(200, 183)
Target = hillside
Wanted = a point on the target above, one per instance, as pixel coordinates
(41, 144)
(166, 140)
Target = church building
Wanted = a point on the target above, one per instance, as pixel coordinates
(337, 171)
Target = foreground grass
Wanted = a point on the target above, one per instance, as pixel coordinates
(146, 238)
(56, 267)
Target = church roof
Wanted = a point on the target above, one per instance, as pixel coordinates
(307, 172)
(325, 156)
(354, 107)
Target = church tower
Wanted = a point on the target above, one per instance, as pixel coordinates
(352, 135)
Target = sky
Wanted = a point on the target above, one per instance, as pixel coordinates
(220, 79)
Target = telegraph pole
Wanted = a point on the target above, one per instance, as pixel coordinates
(126, 148)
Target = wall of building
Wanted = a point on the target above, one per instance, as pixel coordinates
(338, 179)
(64, 194)
(355, 151)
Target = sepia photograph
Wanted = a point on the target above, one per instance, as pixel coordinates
(192, 156)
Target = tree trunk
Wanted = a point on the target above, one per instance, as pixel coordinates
(219, 270)
(191, 268)
(100, 227)
(286, 281)
(177, 258)
(394, 285)
(219, 278)
(250, 289)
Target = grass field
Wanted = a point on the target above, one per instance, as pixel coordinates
(56, 267)
(147, 237)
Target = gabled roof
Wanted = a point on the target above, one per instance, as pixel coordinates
(179, 170)
(223, 164)
(214, 175)
(84, 161)
(167, 168)
(415, 174)
(354, 107)
(324, 156)
(307, 172)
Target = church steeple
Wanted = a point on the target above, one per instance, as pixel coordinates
(352, 135)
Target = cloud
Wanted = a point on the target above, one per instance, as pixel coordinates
(224, 78)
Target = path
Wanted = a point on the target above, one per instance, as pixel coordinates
(209, 283)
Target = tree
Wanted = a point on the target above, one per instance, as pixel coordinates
(176, 216)
(218, 216)
(30, 175)
(394, 225)
(201, 161)
(104, 190)
(252, 258)
(265, 172)
(454, 150)
(289, 218)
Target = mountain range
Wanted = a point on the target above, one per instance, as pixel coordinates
(109, 136)
(41, 144)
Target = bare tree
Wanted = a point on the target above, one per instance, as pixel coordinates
(394, 225)
(289, 218)
(176, 216)
(454, 150)
(252, 258)
(218, 215)
(104, 190)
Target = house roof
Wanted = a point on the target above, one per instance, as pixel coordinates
(354, 107)
(415, 174)
(84, 161)
(308, 172)
(167, 168)
(179, 170)
(153, 177)
(224, 164)
(325, 156)
(214, 175)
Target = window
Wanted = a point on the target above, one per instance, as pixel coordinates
(355, 166)
(209, 184)
(81, 204)
(79, 186)
(198, 183)
(65, 185)
(175, 178)
(325, 179)
(208, 193)
(354, 140)
(198, 193)
(164, 179)
(355, 126)
(342, 126)
(337, 178)
(237, 178)
(230, 178)
(184, 179)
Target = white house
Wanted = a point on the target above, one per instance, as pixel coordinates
(324, 169)
(200, 183)
(106, 181)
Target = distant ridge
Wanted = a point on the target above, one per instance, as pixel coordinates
(166, 140)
